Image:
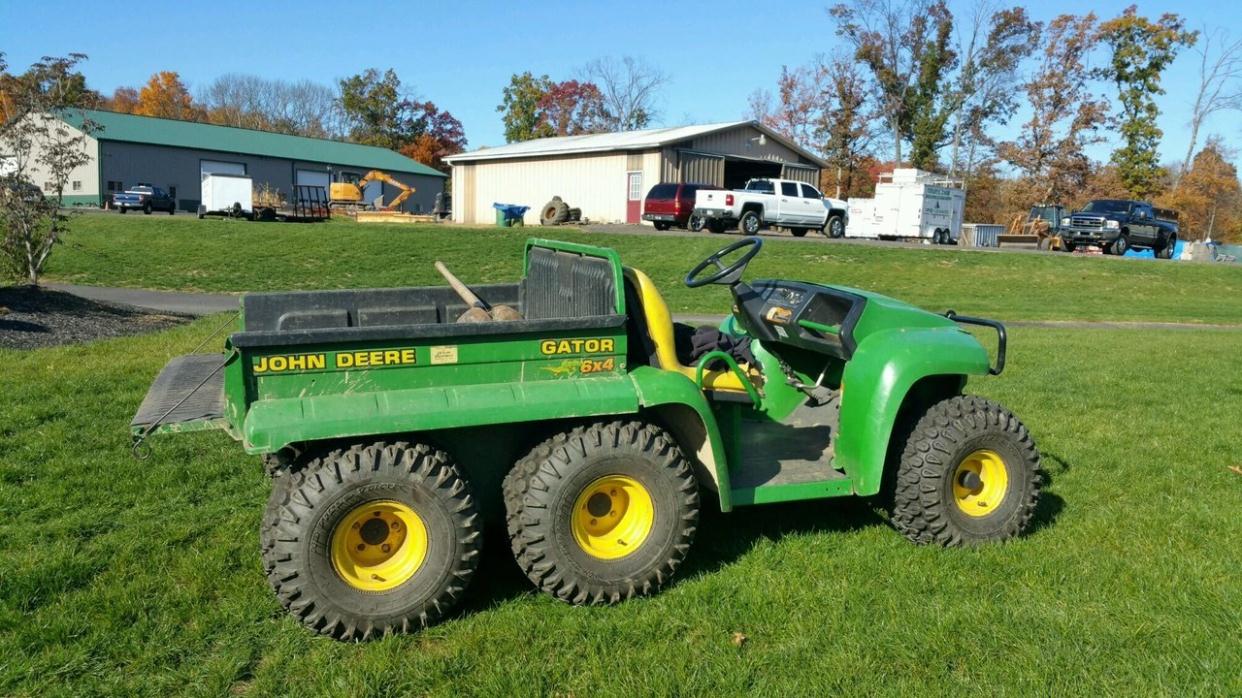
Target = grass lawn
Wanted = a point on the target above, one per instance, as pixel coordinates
(187, 254)
(122, 577)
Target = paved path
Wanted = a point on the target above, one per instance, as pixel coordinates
(185, 303)
(191, 303)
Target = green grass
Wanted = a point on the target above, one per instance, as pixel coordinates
(126, 577)
(186, 254)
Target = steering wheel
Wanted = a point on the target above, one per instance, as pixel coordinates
(725, 274)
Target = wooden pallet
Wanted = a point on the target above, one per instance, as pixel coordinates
(392, 217)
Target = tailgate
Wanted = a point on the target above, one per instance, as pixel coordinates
(711, 199)
(188, 395)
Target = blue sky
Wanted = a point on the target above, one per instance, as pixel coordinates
(461, 54)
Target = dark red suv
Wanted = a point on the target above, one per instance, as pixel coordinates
(670, 204)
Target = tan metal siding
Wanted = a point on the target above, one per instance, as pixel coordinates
(702, 169)
(739, 142)
(594, 183)
(633, 162)
(463, 194)
(801, 174)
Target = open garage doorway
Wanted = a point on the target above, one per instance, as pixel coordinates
(737, 172)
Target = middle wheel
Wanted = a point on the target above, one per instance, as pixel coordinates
(602, 513)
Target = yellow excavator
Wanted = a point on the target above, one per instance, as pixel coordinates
(348, 195)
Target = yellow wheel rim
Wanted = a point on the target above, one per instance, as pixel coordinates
(612, 517)
(378, 546)
(980, 483)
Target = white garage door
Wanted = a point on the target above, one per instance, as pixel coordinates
(314, 178)
(221, 167)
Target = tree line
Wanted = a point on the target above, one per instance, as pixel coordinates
(917, 85)
(371, 108)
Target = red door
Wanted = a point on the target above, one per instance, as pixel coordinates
(634, 197)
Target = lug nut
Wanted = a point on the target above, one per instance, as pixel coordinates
(362, 546)
(386, 547)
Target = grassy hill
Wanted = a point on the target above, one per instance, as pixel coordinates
(187, 254)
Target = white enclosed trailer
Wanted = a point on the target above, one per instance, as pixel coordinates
(910, 204)
(226, 194)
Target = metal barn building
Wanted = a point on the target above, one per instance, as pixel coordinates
(607, 175)
(174, 155)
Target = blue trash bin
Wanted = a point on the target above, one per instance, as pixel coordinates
(509, 215)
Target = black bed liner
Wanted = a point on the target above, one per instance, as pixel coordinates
(181, 376)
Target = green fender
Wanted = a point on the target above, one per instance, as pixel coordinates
(273, 424)
(659, 388)
(877, 378)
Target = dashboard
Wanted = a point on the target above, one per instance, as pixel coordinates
(804, 315)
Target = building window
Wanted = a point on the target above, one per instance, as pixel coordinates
(49, 185)
(116, 186)
(77, 185)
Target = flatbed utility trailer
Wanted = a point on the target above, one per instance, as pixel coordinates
(390, 431)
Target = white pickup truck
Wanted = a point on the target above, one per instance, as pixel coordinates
(797, 206)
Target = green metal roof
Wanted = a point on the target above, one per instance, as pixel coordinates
(188, 134)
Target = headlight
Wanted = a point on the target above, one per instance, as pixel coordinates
(1065, 222)
(1112, 225)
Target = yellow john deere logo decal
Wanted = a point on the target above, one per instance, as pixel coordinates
(375, 358)
(577, 346)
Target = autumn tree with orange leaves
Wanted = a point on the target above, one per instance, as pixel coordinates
(165, 96)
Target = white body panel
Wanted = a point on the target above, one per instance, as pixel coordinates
(780, 208)
(221, 191)
(911, 205)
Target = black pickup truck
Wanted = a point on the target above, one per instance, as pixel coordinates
(1119, 225)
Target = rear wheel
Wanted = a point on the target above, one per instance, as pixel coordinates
(695, 223)
(602, 513)
(1166, 252)
(969, 474)
(372, 540)
(715, 227)
(750, 223)
(660, 225)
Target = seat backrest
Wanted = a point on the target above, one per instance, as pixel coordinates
(654, 323)
(561, 284)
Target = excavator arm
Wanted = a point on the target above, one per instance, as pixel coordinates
(378, 176)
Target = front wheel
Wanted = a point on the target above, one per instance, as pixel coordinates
(371, 540)
(969, 474)
(1068, 246)
(1119, 246)
(602, 513)
(835, 228)
(124, 210)
(146, 209)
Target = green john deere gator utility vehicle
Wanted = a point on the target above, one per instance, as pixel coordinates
(389, 428)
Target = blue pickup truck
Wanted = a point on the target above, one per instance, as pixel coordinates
(145, 198)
